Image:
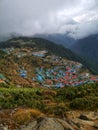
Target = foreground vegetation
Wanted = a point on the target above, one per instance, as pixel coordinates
(51, 101)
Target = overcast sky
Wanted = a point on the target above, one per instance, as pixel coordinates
(79, 18)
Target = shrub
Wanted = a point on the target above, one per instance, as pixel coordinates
(86, 103)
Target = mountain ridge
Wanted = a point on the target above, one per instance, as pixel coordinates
(62, 39)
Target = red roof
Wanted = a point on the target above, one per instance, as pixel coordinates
(74, 77)
(93, 78)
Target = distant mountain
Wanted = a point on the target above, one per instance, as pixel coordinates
(62, 39)
(87, 47)
(8, 36)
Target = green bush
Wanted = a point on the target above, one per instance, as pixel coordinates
(71, 93)
(87, 103)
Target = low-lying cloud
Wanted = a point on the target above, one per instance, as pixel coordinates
(78, 18)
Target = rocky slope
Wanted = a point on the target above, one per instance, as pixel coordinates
(74, 120)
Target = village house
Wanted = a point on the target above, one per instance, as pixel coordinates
(40, 53)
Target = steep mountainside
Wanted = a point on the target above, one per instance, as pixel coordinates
(87, 47)
(51, 47)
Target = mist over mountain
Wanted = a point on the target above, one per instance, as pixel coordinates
(62, 39)
(4, 38)
(78, 17)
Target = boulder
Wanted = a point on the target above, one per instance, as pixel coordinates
(83, 117)
(93, 115)
(45, 123)
(89, 116)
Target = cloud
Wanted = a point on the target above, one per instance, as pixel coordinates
(78, 17)
(85, 29)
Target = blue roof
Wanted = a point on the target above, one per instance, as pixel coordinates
(23, 75)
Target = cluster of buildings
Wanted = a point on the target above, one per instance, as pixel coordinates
(23, 52)
(61, 76)
(40, 53)
(8, 50)
(62, 72)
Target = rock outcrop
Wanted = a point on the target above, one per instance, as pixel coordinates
(46, 123)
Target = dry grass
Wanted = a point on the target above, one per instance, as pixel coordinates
(24, 116)
(49, 92)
